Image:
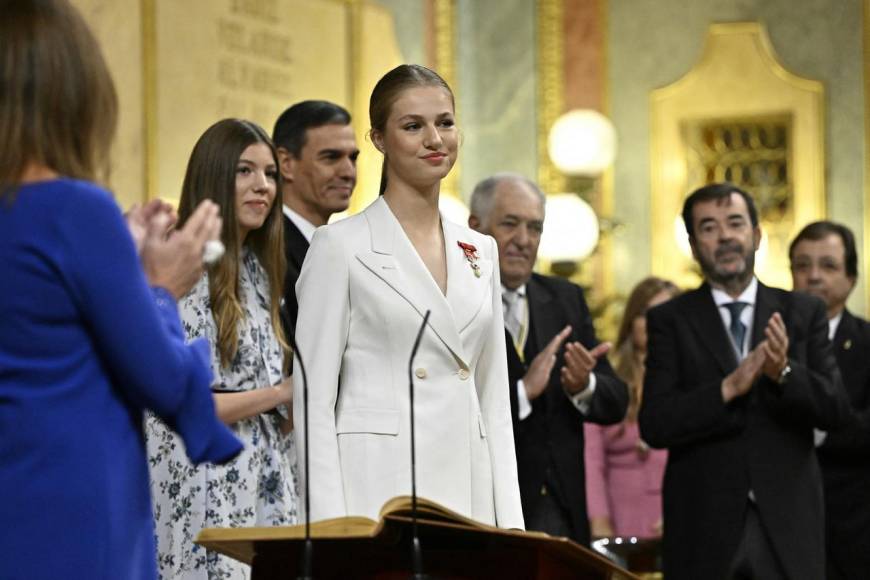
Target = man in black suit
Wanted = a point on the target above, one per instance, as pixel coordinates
(737, 376)
(553, 389)
(317, 155)
(824, 263)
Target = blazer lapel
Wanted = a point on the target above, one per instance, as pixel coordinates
(765, 305)
(392, 258)
(849, 354)
(703, 315)
(544, 319)
(466, 293)
(295, 244)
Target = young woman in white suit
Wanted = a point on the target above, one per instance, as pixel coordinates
(365, 285)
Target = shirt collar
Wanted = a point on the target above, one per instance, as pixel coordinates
(833, 324)
(306, 228)
(520, 292)
(748, 295)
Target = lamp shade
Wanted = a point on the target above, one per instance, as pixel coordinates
(570, 229)
(582, 143)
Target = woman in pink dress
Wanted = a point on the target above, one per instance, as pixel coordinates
(623, 475)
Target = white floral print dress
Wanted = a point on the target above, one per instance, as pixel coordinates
(257, 488)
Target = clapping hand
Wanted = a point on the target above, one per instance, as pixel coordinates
(538, 375)
(140, 216)
(579, 363)
(775, 347)
(172, 258)
(769, 357)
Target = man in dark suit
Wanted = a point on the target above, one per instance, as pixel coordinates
(824, 263)
(317, 155)
(553, 389)
(737, 376)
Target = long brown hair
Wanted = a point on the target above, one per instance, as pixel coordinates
(211, 174)
(58, 106)
(629, 362)
(388, 89)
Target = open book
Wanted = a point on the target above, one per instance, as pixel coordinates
(396, 509)
(455, 545)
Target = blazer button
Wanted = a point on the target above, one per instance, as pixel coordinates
(420, 373)
(463, 374)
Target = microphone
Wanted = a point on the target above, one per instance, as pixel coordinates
(308, 549)
(416, 552)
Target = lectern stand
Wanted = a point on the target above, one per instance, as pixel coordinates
(454, 548)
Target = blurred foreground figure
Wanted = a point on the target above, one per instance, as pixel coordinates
(85, 344)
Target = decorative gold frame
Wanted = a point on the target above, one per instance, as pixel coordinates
(444, 63)
(149, 101)
(551, 88)
(738, 76)
(866, 232)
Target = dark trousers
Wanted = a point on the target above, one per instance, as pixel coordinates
(550, 516)
(755, 558)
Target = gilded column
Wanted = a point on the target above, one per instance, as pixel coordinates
(442, 58)
(551, 87)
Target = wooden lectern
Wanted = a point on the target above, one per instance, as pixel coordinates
(454, 547)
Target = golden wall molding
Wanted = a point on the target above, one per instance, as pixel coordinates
(738, 80)
(149, 89)
(442, 58)
(866, 232)
(550, 87)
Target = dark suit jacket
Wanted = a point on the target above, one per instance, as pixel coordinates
(552, 436)
(295, 248)
(845, 459)
(762, 441)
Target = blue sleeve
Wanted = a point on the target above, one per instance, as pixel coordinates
(137, 332)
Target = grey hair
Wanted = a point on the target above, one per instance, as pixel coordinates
(482, 196)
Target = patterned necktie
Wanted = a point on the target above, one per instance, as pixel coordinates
(737, 328)
(510, 299)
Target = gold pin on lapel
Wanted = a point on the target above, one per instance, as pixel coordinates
(848, 344)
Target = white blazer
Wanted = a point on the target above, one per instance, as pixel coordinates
(362, 292)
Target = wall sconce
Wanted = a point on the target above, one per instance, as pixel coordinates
(582, 143)
(571, 232)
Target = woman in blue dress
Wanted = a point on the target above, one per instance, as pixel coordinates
(85, 344)
(236, 307)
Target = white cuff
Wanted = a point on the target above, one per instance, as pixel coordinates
(524, 407)
(819, 437)
(581, 399)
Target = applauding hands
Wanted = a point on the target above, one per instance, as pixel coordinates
(173, 258)
(769, 357)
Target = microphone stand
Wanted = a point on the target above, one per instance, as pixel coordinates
(308, 549)
(416, 551)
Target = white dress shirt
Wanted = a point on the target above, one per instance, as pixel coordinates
(524, 405)
(306, 228)
(720, 297)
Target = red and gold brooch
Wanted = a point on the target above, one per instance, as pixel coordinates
(471, 255)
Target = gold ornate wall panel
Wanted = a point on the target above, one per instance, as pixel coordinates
(373, 51)
(739, 116)
(551, 88)
(443, 60)
(238, 58)
(181, 66)
(866, 232)
(117, 27)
